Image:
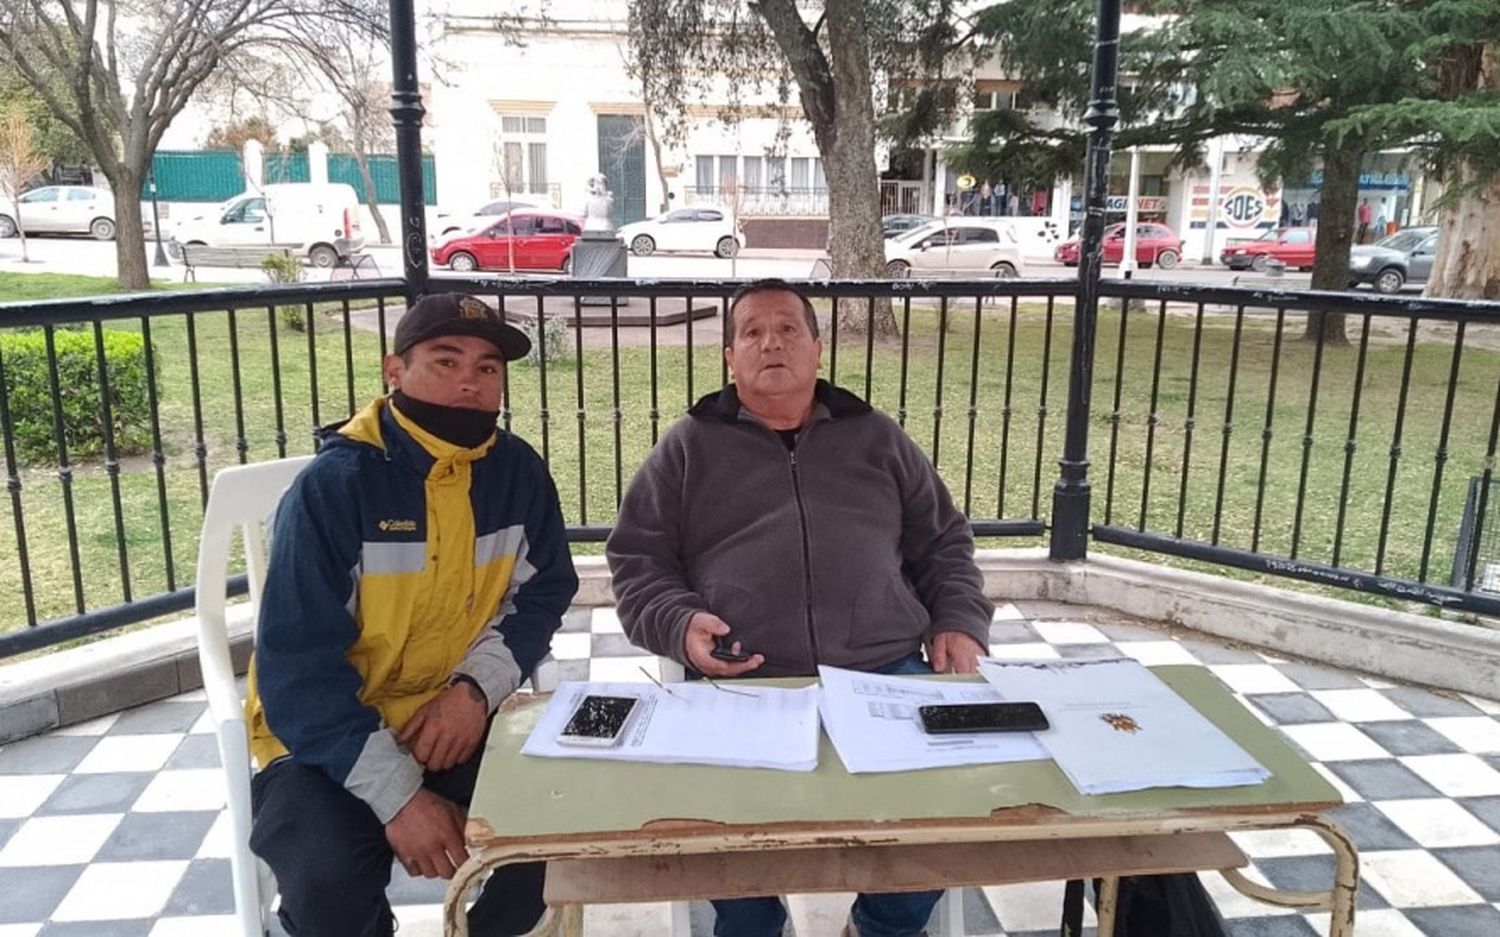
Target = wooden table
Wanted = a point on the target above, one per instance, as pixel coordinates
(678, 831)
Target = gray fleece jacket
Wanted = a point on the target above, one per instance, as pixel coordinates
(844, 550)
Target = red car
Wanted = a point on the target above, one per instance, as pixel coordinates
(1292, 246)
(540, 241)
(1155, 244)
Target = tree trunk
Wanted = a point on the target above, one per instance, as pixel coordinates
(130, 237)
(1338, 198)
(661, 173)
(855, 238)
(838, 103)
(15, 208)
(1467, 265)
(372, 202)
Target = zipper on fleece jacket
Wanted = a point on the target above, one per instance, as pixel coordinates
(812, 631)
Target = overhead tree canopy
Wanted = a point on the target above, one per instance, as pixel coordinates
(117, 78)
(1457, 131)
(1321, 83)
(51, 137)
(234, 135)
(334, 77)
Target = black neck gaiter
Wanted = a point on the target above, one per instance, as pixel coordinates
(457, 425)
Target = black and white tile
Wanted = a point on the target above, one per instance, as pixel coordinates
(117, 826)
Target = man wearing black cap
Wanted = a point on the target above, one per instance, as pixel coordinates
(418, 570)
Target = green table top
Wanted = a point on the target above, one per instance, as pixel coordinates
(551, 798)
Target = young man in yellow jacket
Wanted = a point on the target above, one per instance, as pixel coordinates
(418, 570)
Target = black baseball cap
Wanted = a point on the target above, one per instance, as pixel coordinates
(459, 314)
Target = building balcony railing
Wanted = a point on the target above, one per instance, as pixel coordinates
(763, 201)
(549, 193)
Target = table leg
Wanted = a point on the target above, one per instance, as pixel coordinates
(1109, 898)
(455, 899)
(1345, 875)
(1338, 900)
(572, 920)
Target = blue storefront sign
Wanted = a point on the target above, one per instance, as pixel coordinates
(1388, 181)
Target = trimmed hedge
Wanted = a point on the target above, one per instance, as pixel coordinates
(28, 388)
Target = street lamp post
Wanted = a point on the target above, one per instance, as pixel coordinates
(1070, 496)
(161, 254)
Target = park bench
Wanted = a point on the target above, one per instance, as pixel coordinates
(198, 255)
(252, 256)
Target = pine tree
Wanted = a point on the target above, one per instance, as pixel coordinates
(1317, 80)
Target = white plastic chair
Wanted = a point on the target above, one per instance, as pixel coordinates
(241, 503)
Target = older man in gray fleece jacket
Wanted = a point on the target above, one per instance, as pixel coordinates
(788, 524)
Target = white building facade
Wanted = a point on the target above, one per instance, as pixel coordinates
(535, 120)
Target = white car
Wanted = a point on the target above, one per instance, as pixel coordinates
(685, 229)
(482, 216)
(963, 247)
(63, 209)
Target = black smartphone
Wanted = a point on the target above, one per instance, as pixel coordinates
(724, 650)
(949, 718)
(598, 721)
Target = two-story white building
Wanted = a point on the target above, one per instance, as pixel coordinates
(535, 119)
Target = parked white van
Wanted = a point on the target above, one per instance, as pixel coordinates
(320, 220)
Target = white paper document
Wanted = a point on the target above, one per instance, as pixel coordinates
(872, 720)
(1117, 727)
(695, 723)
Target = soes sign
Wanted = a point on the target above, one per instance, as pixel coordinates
(1241, 208)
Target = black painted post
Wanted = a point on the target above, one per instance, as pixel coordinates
(1070, 496)
(161, 254)
(406, 113)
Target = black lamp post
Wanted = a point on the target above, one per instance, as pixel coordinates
(1070, 496)
(161, 254)
(406, 114)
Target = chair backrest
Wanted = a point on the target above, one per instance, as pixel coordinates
(241, 501)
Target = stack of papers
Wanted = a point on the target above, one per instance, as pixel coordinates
(694, 723)
(1117, 727)
(872, 720)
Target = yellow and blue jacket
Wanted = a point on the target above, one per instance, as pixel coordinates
(399, 561)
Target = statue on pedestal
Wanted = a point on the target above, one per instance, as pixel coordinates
(599, 252)
(600, 204)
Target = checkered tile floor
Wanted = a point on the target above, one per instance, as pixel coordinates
(116, 828)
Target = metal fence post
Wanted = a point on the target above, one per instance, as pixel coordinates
(407, 113)
(1070, 496)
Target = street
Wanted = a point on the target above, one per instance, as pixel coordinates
(84, 256)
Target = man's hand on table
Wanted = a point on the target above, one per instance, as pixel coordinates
(447, 730)
(427, 836)
(955, 652)
(698, 642)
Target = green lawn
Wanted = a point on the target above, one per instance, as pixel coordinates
(1012, 446)
(21, 287)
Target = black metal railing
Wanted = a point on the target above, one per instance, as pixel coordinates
(1219, 434)
(1344, 464)
(195, 381)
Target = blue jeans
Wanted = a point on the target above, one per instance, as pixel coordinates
(885, 915)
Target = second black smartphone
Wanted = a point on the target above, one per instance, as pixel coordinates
(951, 718)
(724, 650)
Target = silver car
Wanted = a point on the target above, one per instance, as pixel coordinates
(63, 209)
(961, 247)
(1404, 257)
